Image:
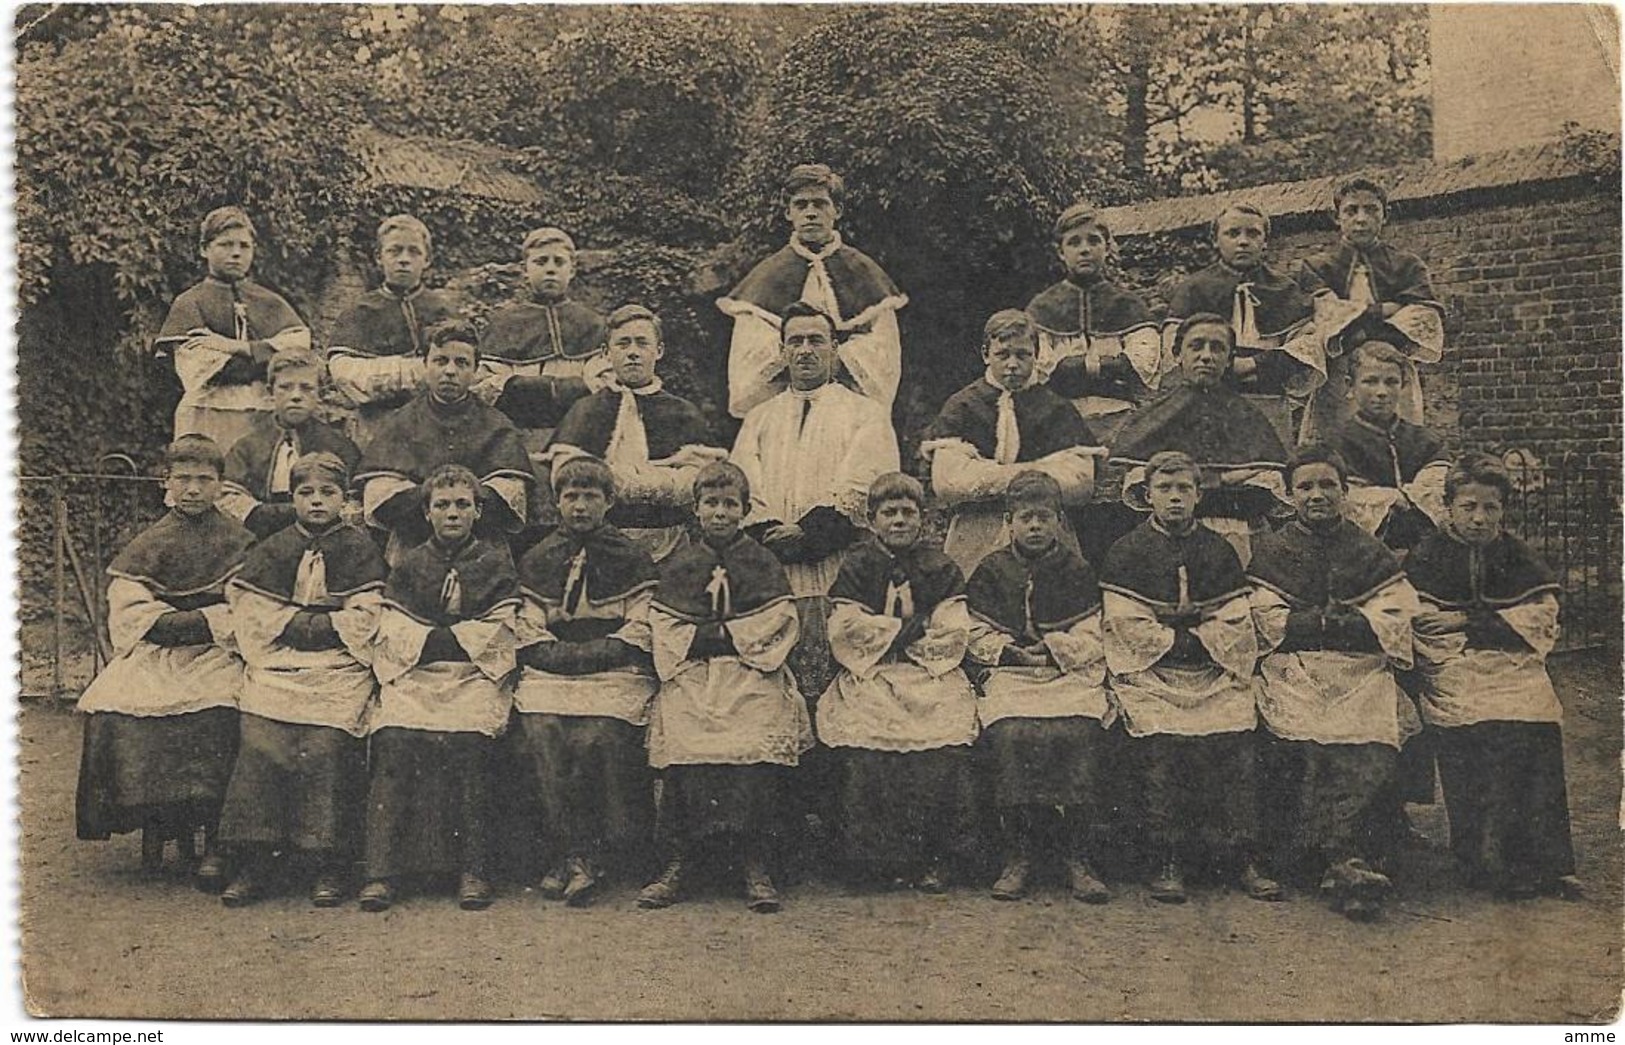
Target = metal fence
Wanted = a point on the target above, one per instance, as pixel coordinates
(73, 524)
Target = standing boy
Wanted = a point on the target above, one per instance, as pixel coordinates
(376, 354)
(161, 718)
(305, 607)
(817, 267)
(1035, 609)
(1181, 648)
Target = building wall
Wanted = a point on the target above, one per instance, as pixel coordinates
(1511, 74)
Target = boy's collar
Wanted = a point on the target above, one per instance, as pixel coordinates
(1026, 556)
(1244, 274)
(537, 298)
(821, 253)
(400, 295)
(451, 550)
(1384, 427)
(1158, 525)
(305, 529)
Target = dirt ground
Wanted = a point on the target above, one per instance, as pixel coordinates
(99, 940)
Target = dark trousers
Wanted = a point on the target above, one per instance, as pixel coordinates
(1505, 792)
(1201, 795)
(1324, 803)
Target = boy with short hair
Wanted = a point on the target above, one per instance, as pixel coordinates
(1397, 467)
(585, 683)
(654, 441)
(257, 490)
(223, 331)
(1097, 343)
(901, 712)
(376, 350)
(1490, 617)
(1181, 649)
(161, 717)
(445, 646)
(446, 424)
(541, 354)
(1035, 609)
(305, 607)
(1005, 423)
(818, 267)
(1333, 612)
(1389, 287)
(728, 717)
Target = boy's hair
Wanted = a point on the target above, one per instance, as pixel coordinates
(1032, 488)
(722, 475)
(804, 175)
(449, 330)
(1359, 183)
(194, 449)
(1003, 320)
(406, 223)
(1239, 208)
(584, 472)
(219, 220)
(1377, 352)
(1477, 468)
(293, 359)
(1317, 453)
(800, 309)
(448, 475)
(1171, 461)
(543, 236)
(1198, 319)
(1080, 213)
(631, 314)
(895, 486)
(320, 463)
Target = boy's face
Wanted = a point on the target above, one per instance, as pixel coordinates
(192, 487)
(812, 215)
(450, 369)
(1241, 240)
(452, 512)
(1173, 497)
(1204, 355)
(294, 394)
(1034, 527)
(897, 522)
(549, 268)
(403, 257)
(1475, 513)
(720, 510)
(230, 255)
(1083, 250)
(1376, 390)
(809, 352)
(317, 501)
(633, 350)
(1360, 217)
(1317, 492)
(583, 508)
(1010, 358)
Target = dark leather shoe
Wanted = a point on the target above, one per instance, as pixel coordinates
(665, 890)
(243, 890)
(377, 895)
(473, 892)
(760, 896)
(1260, 886)
(328, 891)
(1169, 884)
(1012, 883)
(1080, 877)
(210, 876)
(582, 885)
(551, 885)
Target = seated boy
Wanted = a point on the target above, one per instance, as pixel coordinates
(990, 431)
(654, 441)
(1035, 609)
(1396, 468)
(445, 645)
(161, 725)
(1280, 327)
(1488, 620)
(305, 608)
(1097, 344)
(585, 684)
(1333, 612)
(1233, 443)
(445, 425)
(541, 354)
(376, 349)
(1389, 286)
(1181, 648)
(728, 716)
(901, 712)
(257, 491)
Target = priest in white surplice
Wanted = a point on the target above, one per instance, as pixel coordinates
(810, 453)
